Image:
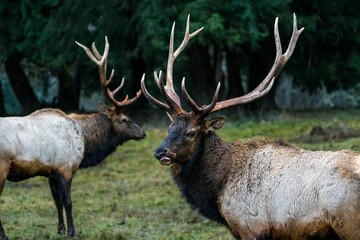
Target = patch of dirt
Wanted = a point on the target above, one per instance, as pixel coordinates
(331, 133)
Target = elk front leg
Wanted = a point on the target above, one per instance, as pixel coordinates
(64, 186)
(54, 187)
(65, 192)
(4, 170)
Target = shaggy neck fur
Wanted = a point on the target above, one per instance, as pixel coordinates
(202, 177)
(99, 136)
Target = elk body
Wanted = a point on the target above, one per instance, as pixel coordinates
(53, 144)
(258, 188)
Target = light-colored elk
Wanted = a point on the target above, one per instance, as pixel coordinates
(53, 144)
(258, 188)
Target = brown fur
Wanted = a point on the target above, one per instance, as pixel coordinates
(32, 168)
(349, 168)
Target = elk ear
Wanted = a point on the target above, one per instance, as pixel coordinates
(104, 108)
(214, 124)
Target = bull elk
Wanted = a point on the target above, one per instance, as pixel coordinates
(258, 188)
(52, 144)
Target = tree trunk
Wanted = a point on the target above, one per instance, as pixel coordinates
(138, 68)
(69, 89)
(260, 64)
(20, 84)
(202, 75)
(234, 67)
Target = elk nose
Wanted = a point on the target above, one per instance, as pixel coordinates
(143, 135)
(159, 153)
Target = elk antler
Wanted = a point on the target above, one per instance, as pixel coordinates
(101, 62)
(173, 106)
(280, 61)
(262, 89)
(173, 103)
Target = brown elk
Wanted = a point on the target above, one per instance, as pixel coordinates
(258, 188)
(53, 144)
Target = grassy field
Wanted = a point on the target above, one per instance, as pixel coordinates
(131, 196)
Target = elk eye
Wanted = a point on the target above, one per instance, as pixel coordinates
(191, 134)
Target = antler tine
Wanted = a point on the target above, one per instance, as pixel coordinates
(97, 59)
(207, 109)
(96, 52)
(173, 104)
(173, 55)
(126, 101)
(101, 62)
(191, 102)
(280, 61)
(158, 79)
(294, 37)
(174, 109)
(114, 92)
(187, 37)
(200, 111)
(152, 99)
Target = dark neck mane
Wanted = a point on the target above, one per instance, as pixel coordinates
(100, 138)
(201, 178)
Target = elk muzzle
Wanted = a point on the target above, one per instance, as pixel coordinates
(139, 133)
(164, 155)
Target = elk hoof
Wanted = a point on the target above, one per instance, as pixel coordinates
(61, 229)
(72, 234)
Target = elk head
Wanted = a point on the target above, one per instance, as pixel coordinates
(122, 124)
(188, 129)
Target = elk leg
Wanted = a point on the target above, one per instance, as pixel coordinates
(264, 236)
(54, 187)
(4, 170)
(350, 230)
(64, 182)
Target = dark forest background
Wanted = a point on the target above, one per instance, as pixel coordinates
(236, 47)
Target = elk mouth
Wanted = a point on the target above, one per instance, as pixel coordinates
(140, 136)
(165, 161)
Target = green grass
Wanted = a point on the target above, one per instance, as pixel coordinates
(131, 196)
